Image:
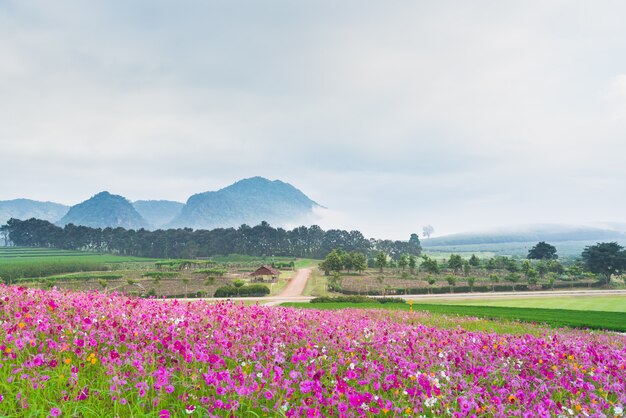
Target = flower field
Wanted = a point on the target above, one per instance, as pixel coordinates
(94, 354)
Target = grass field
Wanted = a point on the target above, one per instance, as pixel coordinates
(18, 262)
(576, 303)
(614, 321)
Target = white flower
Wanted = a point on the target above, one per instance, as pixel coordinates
(619, 411)
(430, 402)
(351, 366)
(259, 375)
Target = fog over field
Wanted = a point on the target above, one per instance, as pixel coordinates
(392, 115)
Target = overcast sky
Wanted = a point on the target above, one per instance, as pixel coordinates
(394, 115)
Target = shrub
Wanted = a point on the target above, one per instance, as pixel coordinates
(245, 291)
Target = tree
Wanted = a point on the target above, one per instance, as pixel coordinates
(334, 282)
(431, 281)
(470, 283)
(466, 268)
(542, 251)
(474, 261)
(333, 262)
(542, 268)
(359, 261)
(452, 282)
(403, 262)
(412, 263)
(455, 263)
(511, 265)
(428, 230)
(513, 278)
(347, 260)
(605, 259)
(381, 261)
(532, 276)
(494, 280)
(429, 265)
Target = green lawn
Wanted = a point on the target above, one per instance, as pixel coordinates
(19, 262)
(614, 321)
(577, 303)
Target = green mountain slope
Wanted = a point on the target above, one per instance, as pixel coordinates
(105, 210)
(26, 209)
(247, 201)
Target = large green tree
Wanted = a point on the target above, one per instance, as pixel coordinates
(542, 251)
(605, 259)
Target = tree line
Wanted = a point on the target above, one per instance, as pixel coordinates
(259, 240)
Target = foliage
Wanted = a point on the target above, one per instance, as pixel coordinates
(161, 274)
(381, 260)
(474, 261)
(470, 282)
(212, 272)
(429, 265)
(238, 283)
(245, 291)
(260, 240)
(455, 262)
(606, 259)
(542, 251)
(333, 262)
(334, 282)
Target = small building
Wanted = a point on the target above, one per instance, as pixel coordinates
(264, 271)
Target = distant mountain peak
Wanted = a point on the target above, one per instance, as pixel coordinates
(247, 201)
(27, 208)
(105, 210)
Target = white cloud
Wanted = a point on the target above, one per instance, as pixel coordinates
(393, 116)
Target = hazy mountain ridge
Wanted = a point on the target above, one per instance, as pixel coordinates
(105, 210)
(158, 213)
(27, 208)
(247, 201)
(530, 233)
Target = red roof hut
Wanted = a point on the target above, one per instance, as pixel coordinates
(265, 271)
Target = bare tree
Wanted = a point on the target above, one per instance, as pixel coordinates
(427, 231)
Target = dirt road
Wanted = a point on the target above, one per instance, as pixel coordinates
(296, 285)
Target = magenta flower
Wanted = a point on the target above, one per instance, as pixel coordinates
(55, 412)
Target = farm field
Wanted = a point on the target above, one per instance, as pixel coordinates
(577, 303)
(17, 262)
(615, 321)
(76, 270)
(73, 353)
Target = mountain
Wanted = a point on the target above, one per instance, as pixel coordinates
(528, 233)
(105, 210)
(158, 213)
(247, 201)
(26, 209)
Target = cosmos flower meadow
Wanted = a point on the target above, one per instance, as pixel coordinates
(66, 354)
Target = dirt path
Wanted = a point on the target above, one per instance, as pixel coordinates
(296, 285)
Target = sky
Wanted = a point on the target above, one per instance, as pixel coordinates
(393, 115)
